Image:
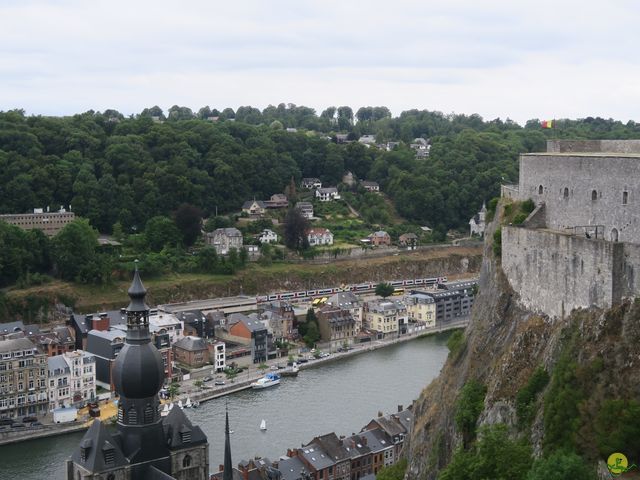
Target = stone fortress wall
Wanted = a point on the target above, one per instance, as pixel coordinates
(581, 247)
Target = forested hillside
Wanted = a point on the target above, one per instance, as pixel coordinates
(114, 169)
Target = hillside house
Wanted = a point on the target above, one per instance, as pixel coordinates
(306, 209)
(277, 200)
(408, 240)
(254, 208)
(477, 223)
(319, 236)
(224, 239)
(268, 236)
(327, 194)
(370, 186)
(380, 239)
(311, 183)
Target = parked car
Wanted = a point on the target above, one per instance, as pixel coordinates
(18, 425)
(274, 367)
(6, 421)
(36, 424)
(219, 382)
(29, 419)
(207, 379)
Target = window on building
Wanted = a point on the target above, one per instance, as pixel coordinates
(540, 190)
(625, 198)
(594, 195)
(148, 414)
(133, 416)
(109, 456)
(565, 193)
(186, 461)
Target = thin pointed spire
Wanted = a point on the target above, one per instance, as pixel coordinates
(137, 293)
(227, 473)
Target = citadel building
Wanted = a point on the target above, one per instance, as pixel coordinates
(580, 247)
(143, 445)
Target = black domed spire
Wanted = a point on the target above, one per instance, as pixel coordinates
(137, 293)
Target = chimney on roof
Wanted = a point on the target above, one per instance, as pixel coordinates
(379, 414)
(364, 440)
(400, 408)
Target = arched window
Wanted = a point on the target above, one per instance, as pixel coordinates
(186, 461)
(540, 190)
(625, 198)
(565, 194)
(594, 195)
(614, 234)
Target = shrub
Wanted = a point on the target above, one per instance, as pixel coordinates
(528, 206)
(561, 466)
(468, 408)
(617, 427)
(520, 218)
(456, 342)
(525, 399)
(497, 242)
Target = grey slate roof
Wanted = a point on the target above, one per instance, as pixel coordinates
(177, 423)
(291, 468)
(316, 456)
(252, 324)
(376, 440)
(247, 205)
(191, 344)
(57, 365)
(96, 441)
(16, 344)
(11, 327)
(344, 300)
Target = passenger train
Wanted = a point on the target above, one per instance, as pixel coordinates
(357, 288)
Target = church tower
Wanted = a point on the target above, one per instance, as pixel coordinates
(144, 444)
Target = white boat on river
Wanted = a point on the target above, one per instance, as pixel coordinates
(269, 380)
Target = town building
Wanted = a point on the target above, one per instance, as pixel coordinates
(268, 236)
(453, 301)
(408, 240)
(398, 428)
(370, 186)
(306, 209)
(348, 301)
(197, 324)
(337, 326)
(81, 325)
(327, 194)
(144, 445)
(23, 379)
(218, 355)
(277, 200)
(72, 379)
(421, 307)
(281, 317)
(224, 239)
(477, 224)
(251, 332)
(319, 236)
(334, 447)
(311, 183)
(380, 239)
(191, 351)
(387, 317)
(348, 179)
(367, 139)
(105, 345)
(254, 208)
(49, 222)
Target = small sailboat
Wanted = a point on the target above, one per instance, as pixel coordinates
(263, 425)
(165, 410)
(195, 404)
(180, 404)
(188, 403)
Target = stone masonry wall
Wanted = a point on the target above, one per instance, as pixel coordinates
(555, 273)
(585, 189)
(618, 146)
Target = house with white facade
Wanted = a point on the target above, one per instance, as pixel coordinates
(224, 239)
(327, 194)
(311, 183)
(72, 379)
(268, 236)
(477, 224)
(319, 236)
(306, 209)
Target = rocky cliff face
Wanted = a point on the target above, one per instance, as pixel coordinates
(504, 343)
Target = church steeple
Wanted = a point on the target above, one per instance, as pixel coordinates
(227, 473)
(137, 311)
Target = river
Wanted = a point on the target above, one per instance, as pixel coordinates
(339, 396)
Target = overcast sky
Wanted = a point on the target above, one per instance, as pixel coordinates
(519, 59)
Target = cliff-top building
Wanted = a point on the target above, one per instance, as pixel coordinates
(143, 445)
(580, 247)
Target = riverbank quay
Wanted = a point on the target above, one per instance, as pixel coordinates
(208, 393)
(211, 393)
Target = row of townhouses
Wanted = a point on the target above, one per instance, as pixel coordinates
(359, 456)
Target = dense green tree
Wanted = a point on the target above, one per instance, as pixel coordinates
(561, 466)
(469, 405)
(160, 232)
(74, 250)
(384, 290)
(295, 228)
(188, 219)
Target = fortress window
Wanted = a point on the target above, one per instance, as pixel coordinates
(540, 190)
(594, 195)
(565, 194)
(186, 461)
(625, 198)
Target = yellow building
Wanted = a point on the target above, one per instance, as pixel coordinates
(421, 307)
(385, 316)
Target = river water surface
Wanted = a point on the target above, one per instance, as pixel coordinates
(339, 397)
